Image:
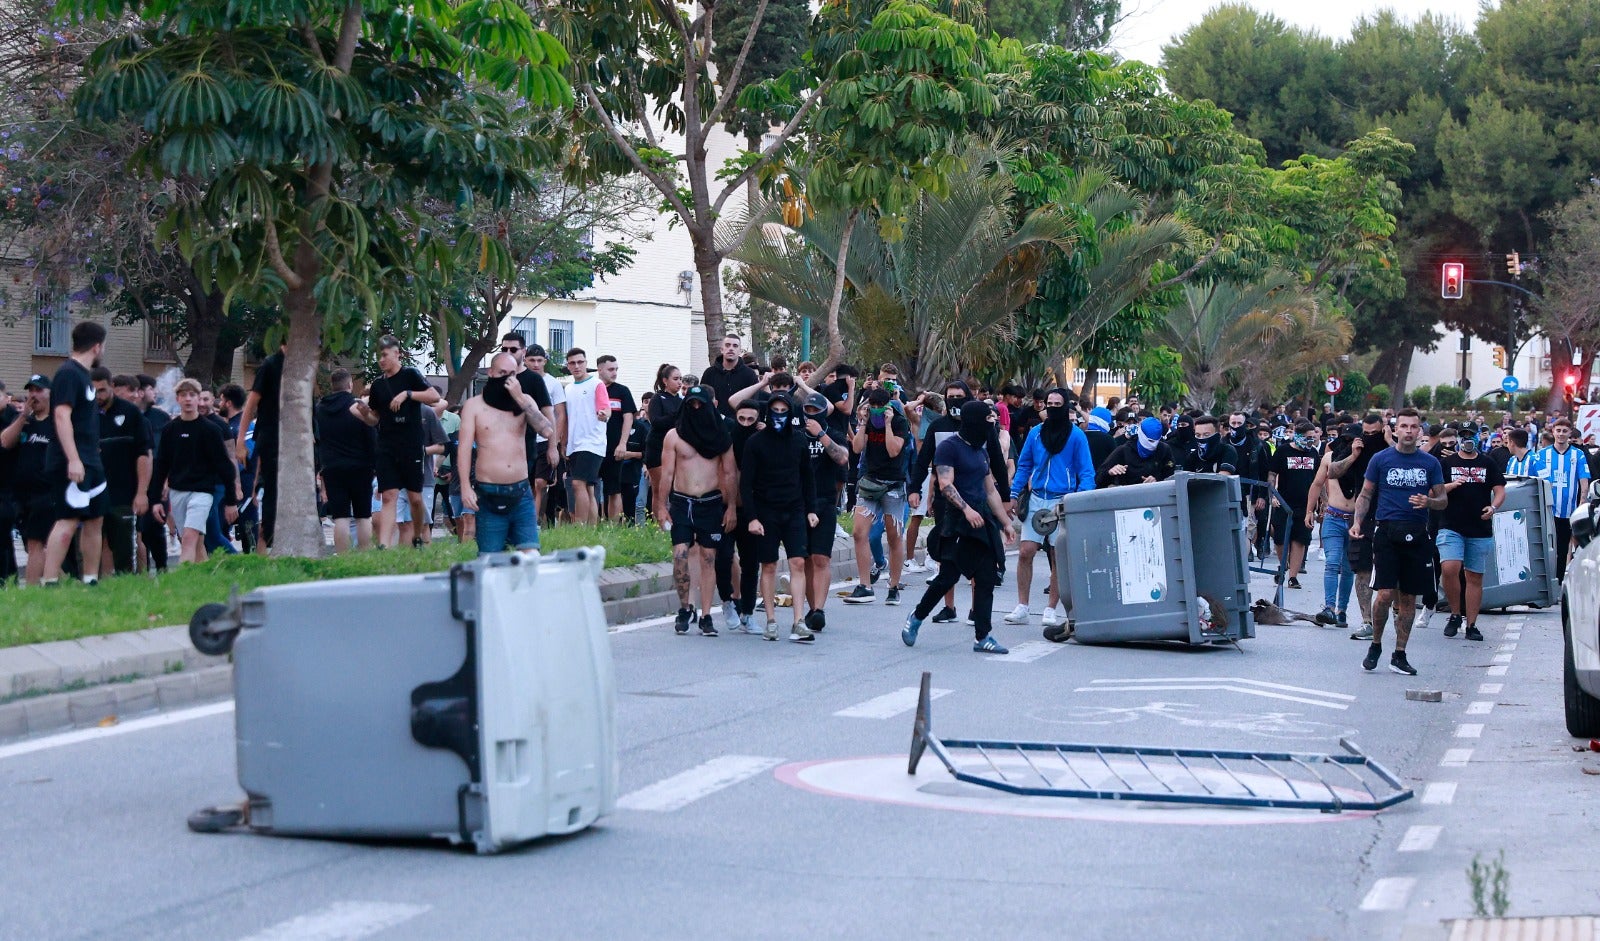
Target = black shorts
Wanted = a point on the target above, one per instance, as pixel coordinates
(787, 530)
(584, 466)
(540, 470)
(97, 503)
(1298, 532)
(1402, 556)
(1358, 552)
(399, 473)
(36, 516)
(611, 475)
(349, 492)
(819, 538)
(697, 521)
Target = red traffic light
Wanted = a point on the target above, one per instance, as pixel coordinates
(1452, 277)
(1571, 380)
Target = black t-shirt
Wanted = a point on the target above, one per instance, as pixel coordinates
(124, 438)
(825, 472)
(157, 418)
(71, 386)
(725, 382)
(33, 448)
(8, 457)
(1478, 476)
(969, 467)
(344, 442)
(622, 404)
(879, 465)
(1297, 470)
(533, 386)
(639, 435)
(402, 429)
(838, 391)
(268, 385)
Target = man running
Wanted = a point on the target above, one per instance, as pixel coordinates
(972, 522)
(696, 499)
(776, 487)
(77, 477)
(1053, 462)
(1475, 488)
(396, 398)
(1403, 482)
(493, 459)
(829, 458)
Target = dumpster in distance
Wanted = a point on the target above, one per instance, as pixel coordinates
(1158, 561)
(1523, 568)
(476, 705)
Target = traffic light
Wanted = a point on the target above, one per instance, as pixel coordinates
(1514, 264)
(1570, 385)
(1499, 357)
(1451, 279)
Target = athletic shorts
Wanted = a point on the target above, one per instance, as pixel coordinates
(93, 477)
(787, 530)
(1029, 534)
(584, 466)
(542, 469)
(697, 521)
(191, 509)
(1473, 553)
(1358, 552)
(1402, 556)
(349, 492)
(1298, 532)
(925, 507)
(396, 472)
(611, 475)
(819, 538)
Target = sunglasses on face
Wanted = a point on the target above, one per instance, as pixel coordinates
(510, 349)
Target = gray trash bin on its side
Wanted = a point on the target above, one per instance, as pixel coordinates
(476, 706)
(1139, 560)
(1523, 567)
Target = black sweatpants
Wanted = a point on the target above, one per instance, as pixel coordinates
(1563, 546)
(747, 544)
(973, 559)
(8, 554)
(154, 536)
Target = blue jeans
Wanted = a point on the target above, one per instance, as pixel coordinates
(506, 517)
(216, 525)
(1338, 578)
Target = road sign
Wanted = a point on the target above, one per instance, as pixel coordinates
(1510, 384)
(1333, 385)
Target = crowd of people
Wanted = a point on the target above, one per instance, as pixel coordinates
(749, 466)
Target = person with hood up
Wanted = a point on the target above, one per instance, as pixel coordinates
(829, 455)
(1098, 432)
(973, 528)
(737, 584)
(1054, 462)
(776, 487)
(1292, 472)
(696, 499)
(1144, 459)
(346, 452)
(1207, 452)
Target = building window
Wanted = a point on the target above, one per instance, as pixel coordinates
(52, 334)
(528, 327)
(560, 340)
(158, 346)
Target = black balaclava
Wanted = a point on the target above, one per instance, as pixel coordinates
(701, 425)
(1057, 424)
(975, 423)
(782, 422)
(1238, 436)
(1207, 447)
(496, 395)
(1182, 432)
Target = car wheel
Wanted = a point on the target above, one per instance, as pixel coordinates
(1583, 710)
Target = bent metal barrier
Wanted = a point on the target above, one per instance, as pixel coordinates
(1328, 783)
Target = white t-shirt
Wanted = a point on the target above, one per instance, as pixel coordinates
(558, 396)
(585, 430)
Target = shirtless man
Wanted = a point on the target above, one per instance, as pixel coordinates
(696, 499)
(1333, 500)
(493, 459)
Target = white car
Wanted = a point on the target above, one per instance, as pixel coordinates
(1580, 622)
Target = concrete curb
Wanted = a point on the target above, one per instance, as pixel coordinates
(86, 682)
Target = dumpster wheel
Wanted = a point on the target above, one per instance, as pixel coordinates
(216, 819)
(212, 643)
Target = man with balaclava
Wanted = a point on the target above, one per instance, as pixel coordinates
(739, 584)
(493, 459)
(1293, 470)
(972, 530)
(1207, 451)
(1142, 460)
(1332, 500)
(1054, 461)
(696, 500)
(1098, 433)
(776, 486)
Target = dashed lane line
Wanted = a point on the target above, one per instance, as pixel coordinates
(1469, 730)
(1388, 894)
(1420, 838)
(342, 921)
(1439, 792)
(703, 780)
(889, 705)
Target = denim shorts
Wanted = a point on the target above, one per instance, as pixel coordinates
(1473, 554)
(892, 504)
(505, 517)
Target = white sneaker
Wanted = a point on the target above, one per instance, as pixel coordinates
(1018, 615)
(1049, 618)
(915, 566)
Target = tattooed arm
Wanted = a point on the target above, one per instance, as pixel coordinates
(947, 487)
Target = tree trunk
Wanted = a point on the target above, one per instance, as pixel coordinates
(835, 335)
(1091, 383)
(461, 382)
(1392, 369)
(708, 265)
(205, 334)
(1560, 366)
(299, 528)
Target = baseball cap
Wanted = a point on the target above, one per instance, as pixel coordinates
(38, 381)
(817, 402)
(702, 393)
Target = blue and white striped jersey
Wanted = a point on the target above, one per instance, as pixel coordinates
(1567, 474)
(1521, 466)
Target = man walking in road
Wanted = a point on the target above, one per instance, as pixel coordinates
(493, 459)
(1567, 469)
(1404, 483)
(1475, 488)
(77, 476)
(1054, 461)
(696, 501)
(1333, 499)
(588, 410)
(776, 487)
(880, 438)
(1292, 471)
(972, 523)
(829, 458)
(397, 397)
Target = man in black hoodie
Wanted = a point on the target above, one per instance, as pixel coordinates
(776, 487)
(347, 444)
(192, 462)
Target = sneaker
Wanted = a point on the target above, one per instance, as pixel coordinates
(877, 570)
(747, 624)
(893, 600)
(801, 634)
(908, 634)
(681, 624)
(1453, 625)
(1399, 664)
(989, 645)
(1371, 663)
(1341, 621)
(769, 631)
(915, 566)
(1473, 633)
(861, 595)
(946, 615)
(1326, 616)
(1050, 618)
(707, 627)
(1018, 615)
(1294, 583)
(730, 613)
(816, 620)
(971, 622)
(1364, 634)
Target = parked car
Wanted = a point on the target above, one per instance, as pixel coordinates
(1580, 622)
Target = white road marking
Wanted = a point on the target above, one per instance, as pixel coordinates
(1480, 708)
(1439, 792)
(1420, 838)
(342, 921)
(1497, 670)
(889, 705)
(1456, 758)
(1387, 895)
(1490, 689)
(683, 789)
(1503, 657)
(1508, 646)
(122, 728)
(1028, 651)
(1223, 686)
(1469, 730)
(1229, 679)
(1513, 635)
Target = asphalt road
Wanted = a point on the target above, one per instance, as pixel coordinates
(744, 817)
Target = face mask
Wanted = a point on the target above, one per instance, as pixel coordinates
(1303, 442)
(497, 396)
(1206, 445)
(779, 421)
